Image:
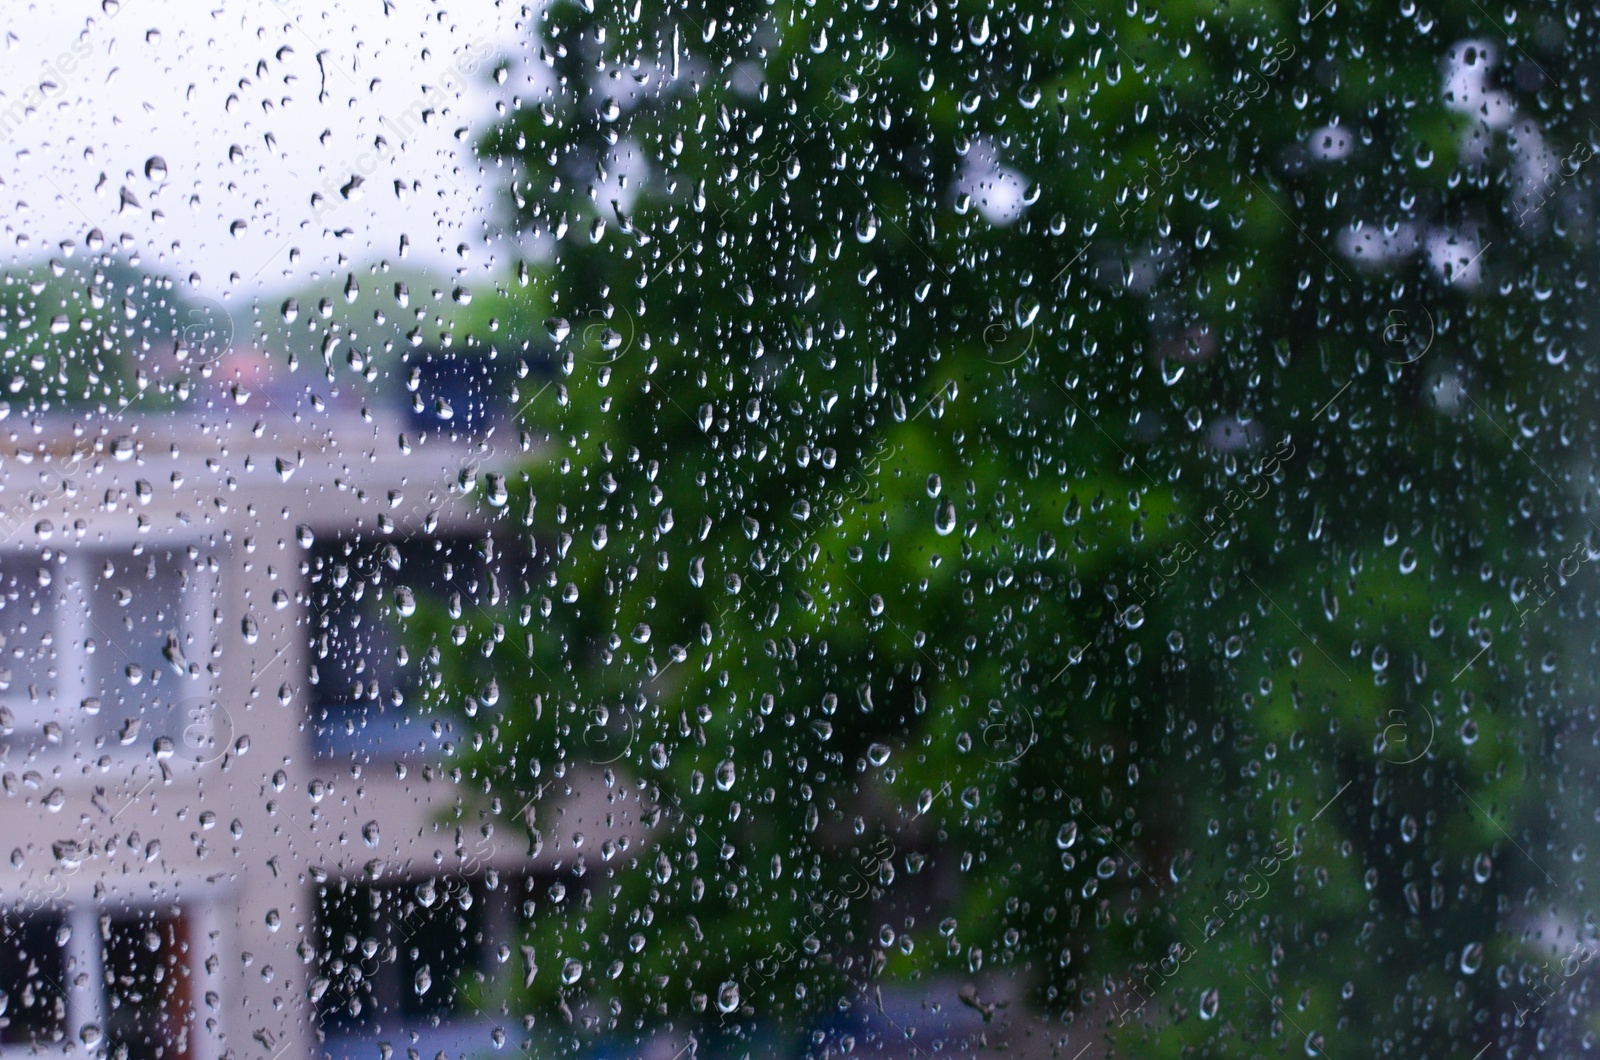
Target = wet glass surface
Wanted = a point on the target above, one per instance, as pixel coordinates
(801, 529)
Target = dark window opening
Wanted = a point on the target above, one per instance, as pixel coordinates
(396, 953)
(368, 683)
(146, 995)
(33, 974)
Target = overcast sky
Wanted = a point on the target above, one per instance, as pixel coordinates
(253, 107)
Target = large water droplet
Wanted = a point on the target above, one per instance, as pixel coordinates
(1067, 835)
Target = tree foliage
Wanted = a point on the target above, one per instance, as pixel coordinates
(1084, 451)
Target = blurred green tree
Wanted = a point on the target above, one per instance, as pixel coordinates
(101, 333)
(1095, 454)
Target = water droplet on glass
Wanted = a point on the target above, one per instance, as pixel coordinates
(69, 853)
(1067, 835)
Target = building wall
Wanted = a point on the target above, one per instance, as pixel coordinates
(238, 825)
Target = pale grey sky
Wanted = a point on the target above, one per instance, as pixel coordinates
(254, 107)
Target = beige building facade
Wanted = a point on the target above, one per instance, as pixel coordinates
(230, 819)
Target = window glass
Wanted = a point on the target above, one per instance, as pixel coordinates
(665, 528)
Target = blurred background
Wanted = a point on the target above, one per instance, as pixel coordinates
(797, 529)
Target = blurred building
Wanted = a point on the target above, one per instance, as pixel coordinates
(230, 819)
